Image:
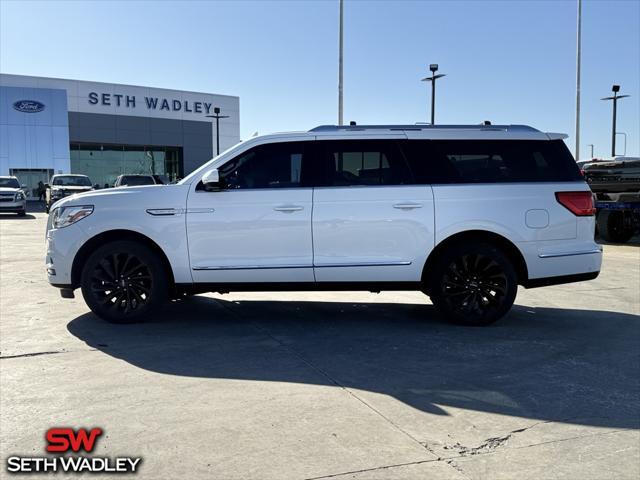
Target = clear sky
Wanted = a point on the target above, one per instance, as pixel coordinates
(506, 61)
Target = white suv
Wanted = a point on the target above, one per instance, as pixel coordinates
(462, 213)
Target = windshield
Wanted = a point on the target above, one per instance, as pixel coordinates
(72, 181)
(9, 183)
(137, 180)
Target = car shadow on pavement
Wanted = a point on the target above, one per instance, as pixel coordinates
(13, 216)
(634, 242)
(573, 366)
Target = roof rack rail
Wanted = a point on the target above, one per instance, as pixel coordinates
(419, 126)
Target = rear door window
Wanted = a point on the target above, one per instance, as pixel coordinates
(490, 161)
(361, 163)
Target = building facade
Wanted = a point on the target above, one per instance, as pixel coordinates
(103, 130)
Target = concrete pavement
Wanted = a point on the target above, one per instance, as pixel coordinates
(328, 385)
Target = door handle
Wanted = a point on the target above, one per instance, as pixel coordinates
(407, 205)
(288, 208)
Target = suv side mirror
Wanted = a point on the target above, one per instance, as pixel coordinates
(211, 181)
(46, 185)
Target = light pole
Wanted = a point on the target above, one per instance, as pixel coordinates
(434, 68)
(591, 145)
(217, 116)
(624, 153)
(340, 79)
(615, 89)
(578, 55)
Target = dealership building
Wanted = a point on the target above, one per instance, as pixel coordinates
(102, 130)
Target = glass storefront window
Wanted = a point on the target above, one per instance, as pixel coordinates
(104, 163)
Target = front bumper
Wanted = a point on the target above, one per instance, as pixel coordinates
(62, 245)
(15, 207)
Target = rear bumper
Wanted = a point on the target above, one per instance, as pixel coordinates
(561, 258)
(559, 280)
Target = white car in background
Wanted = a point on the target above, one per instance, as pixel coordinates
(134, 180)
(462, 213)
(12, 196)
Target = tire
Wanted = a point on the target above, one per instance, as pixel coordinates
(612, 228)
(22, 213)
(473, 284)
(124, 282)
(46, 208)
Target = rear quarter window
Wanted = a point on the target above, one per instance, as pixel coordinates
(490, 161)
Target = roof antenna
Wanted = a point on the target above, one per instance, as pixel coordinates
(352, 123)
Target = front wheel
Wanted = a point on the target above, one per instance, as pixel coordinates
(473, 284)
(124, 282)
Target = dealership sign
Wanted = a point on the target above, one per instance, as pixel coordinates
(28, 106)
(150, 103)
(64, 446)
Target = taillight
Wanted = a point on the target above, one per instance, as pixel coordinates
(578, 203)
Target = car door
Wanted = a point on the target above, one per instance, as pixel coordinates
(257, 228)
(371, 222)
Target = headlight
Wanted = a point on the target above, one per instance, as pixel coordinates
(65, 216)
(19, 196)
(56, 193)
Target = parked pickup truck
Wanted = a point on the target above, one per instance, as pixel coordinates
(616, 185)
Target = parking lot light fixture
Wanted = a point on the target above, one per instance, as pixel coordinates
(615, 89)
(434, 68)
(217, 116)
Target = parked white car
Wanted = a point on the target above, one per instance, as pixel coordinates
(462, 213)
(12, 196)
(134, 180)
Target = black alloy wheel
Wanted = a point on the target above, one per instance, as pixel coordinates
(474, 285)
(123, 282)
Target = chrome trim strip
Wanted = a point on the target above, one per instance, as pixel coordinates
(272, 267)
(200, 210)
(364, 264)
(163, 212)
(250, 267)
(570, 254)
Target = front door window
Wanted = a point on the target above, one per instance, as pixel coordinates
(276, 165)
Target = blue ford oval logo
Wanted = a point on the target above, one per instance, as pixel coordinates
(28, 106)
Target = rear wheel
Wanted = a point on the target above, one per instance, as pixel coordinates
(473, 285)
(612, 228)
(124, 282)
